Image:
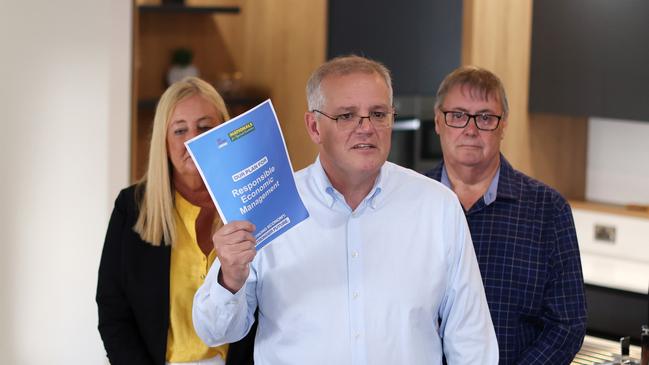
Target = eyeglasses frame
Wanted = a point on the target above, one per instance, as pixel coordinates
(360, 121)
(474, 117)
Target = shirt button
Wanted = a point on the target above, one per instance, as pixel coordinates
(355, 254)
(355, 295)
(357, 336)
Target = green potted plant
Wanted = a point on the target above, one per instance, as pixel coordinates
(181, 65)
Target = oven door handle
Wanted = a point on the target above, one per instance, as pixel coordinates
(406, 124)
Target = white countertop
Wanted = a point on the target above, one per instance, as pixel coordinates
(611, 272)
(621, 262)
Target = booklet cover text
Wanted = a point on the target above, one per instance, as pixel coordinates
(246, 169)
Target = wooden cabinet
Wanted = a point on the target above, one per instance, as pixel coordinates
(207, 31)
(275, 45)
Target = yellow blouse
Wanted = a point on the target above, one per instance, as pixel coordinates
(189, 266)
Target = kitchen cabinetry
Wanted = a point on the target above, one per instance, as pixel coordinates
(158, 30)
(419, 42)
(615, 264)
(589, 57)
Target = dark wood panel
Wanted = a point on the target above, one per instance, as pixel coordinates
(590, 57)
(419, 41)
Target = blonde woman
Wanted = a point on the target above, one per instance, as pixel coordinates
(158, 246)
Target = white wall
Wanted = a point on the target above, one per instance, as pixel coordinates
(618, 161)
(64, 111)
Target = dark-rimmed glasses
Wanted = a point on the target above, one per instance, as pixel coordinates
(349, 121)
(483, 121)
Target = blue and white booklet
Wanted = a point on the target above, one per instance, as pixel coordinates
(245, 166)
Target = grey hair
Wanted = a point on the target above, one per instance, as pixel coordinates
(342, 65)
(481, 83)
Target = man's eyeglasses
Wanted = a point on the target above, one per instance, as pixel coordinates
(349, 121)
(483, 121)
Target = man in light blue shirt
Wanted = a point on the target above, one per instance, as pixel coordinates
(383, 271)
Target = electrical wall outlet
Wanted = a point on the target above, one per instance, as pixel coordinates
(623, 237)
(605, 234)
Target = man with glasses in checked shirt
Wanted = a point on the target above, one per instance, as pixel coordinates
(382, 272)
(522, 230)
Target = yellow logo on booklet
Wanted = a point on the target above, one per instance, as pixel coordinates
(241, 131)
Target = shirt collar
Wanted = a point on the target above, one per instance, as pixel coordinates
(492, 191)
(186, 209)
(491, 194)
(505, 184)
(332, 196)
(509, 185)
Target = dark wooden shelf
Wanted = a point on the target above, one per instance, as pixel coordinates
(230, 102)
(189, 9)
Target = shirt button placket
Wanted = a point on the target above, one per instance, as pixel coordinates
(355, 288)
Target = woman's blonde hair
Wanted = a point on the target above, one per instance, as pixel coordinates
(155, 193)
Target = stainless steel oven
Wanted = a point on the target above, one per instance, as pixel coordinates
(415, 144)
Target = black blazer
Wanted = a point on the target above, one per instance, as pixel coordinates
(133, 294)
